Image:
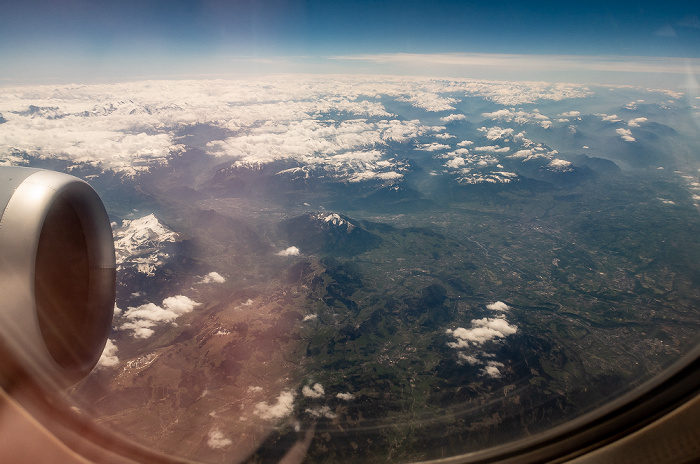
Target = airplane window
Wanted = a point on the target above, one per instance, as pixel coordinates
(359, 232)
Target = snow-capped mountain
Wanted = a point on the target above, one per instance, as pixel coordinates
(328, 233)
(139, 243)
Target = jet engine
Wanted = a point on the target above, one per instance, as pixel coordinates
(57, 276)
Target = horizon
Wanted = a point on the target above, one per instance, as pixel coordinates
(83, 42)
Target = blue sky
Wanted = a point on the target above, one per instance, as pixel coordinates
(84, 40)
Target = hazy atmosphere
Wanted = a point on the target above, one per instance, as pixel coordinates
(373, 232)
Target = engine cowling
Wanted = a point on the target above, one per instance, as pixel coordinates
(57, 275)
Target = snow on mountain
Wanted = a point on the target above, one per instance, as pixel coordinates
(335, 219)
(139, 243)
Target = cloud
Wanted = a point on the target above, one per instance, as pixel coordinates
(492, 149)
(309, 317)
(217, 440)
(283, 407)
(345, 149)
(493, 369)
(429, 101)
(465, 143)
(321, 411)
(609, 117)
(522, 153)
(179, 304)
(519, 117)
(455, 163)
(362, 176)
(480, 332)
(469, 359)
(129, 127)
(625, 134)
(635, 122)
(435, 146)
(498, 306)
(212, 277)
(141, 319)
(291, 251)
(469, 342)
(109, 355)
(512, 93)
(496, 133)
(689, 21)
(453, 117)
(315, 391)
(666, 31)
(140, 329)
(570, 114)
(345, 396)
(444, 136)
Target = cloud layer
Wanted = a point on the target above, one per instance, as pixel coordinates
(141, 320)
(471, 342)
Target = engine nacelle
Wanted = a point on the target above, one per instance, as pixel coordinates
(57, 275)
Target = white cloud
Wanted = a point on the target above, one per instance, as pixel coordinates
(465, 143)
(109, 355)
(315, 391)
(140, 329)
(492, 149)
(362, 176)
(480, 332)
(519, 116)
(309, 317)
(291, 251)
(455, 163)
(625, 134)
(212, 277)
(469, 342)
(522, 153)
(635, 122)
(217, 440)
(283, 407)
(435, 146)
(666, 31)
(444, 136)
(179, 304)
(141, 319)
(498, 306)
(321, 411)
(345, 396)
(130, 127)
(117, 310)
(493, 369)
(496, 133)
(469, 359)
(570, 114)
(609, 117)
(453, 117)
(429, 101)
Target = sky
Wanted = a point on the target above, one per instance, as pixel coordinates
(83, 40)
